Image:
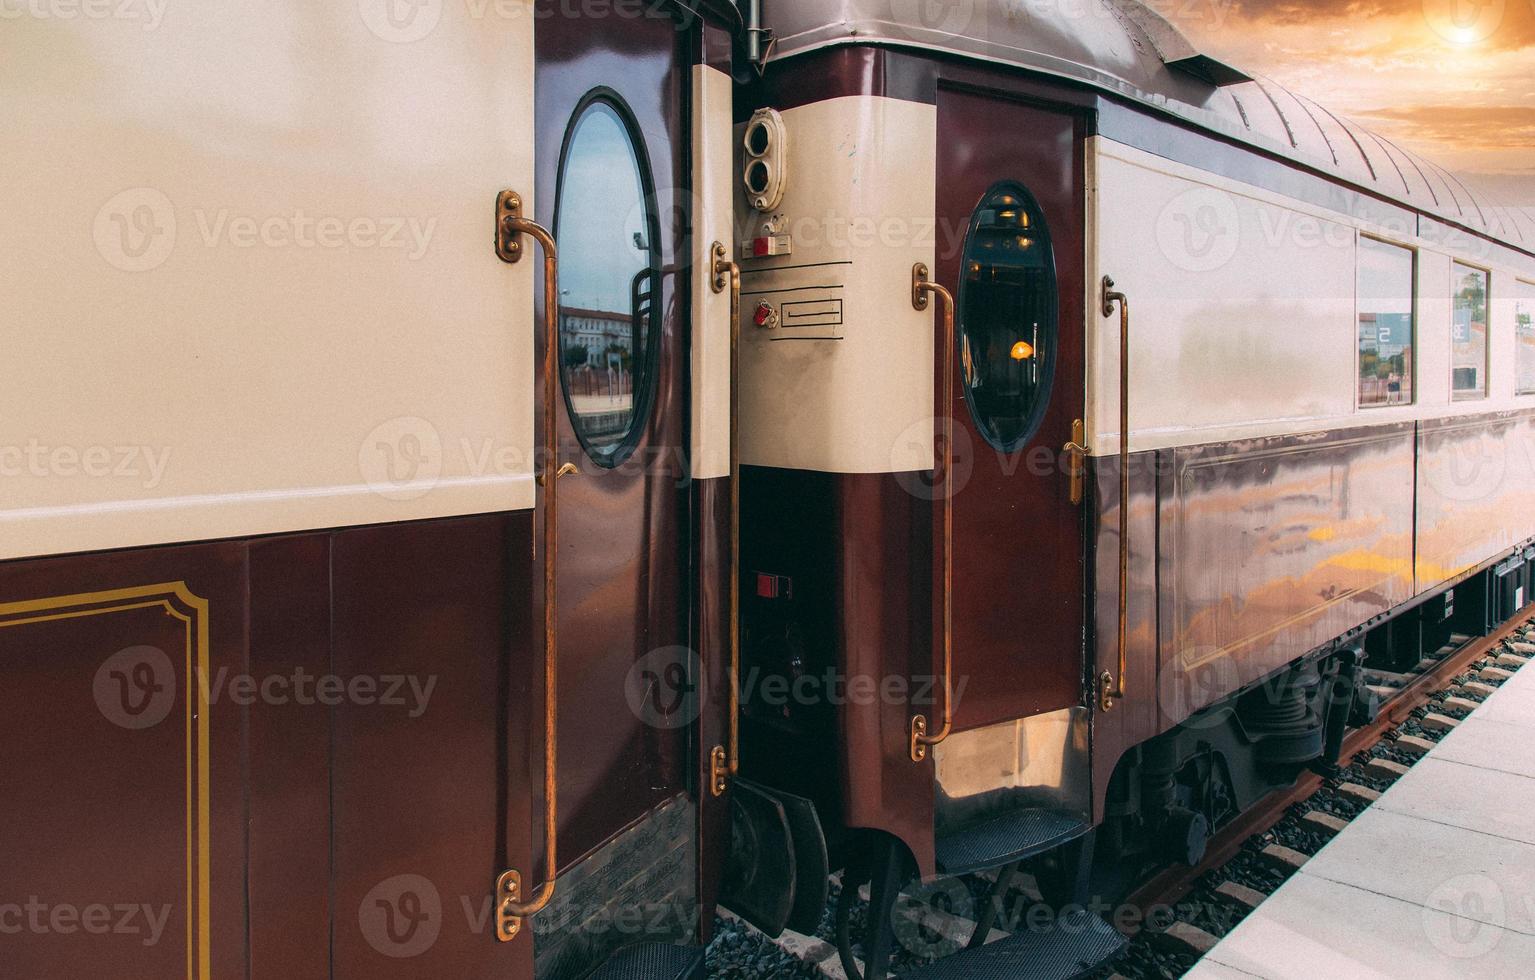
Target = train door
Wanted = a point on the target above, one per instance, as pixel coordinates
(611, 160)
(1010, 203)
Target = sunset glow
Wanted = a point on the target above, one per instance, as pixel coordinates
(1451, 79)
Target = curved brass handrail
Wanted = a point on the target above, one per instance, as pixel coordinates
(921, 287)
(726, 274)
(1113, 688)
(510, 226)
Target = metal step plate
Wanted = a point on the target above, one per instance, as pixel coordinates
(653, 961)
(1074, 945)
(1009, 837)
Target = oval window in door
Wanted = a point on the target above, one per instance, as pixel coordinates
(608, 233)
(1008, 317)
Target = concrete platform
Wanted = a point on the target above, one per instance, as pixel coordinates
(1436, 879)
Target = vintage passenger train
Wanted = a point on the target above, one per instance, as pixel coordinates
(993, 440)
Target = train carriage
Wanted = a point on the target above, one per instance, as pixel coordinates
(280, 603)
(1123, 407)
(487, 483)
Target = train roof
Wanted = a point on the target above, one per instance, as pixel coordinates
(1127, 49)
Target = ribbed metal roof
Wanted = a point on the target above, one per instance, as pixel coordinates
(1128, 49)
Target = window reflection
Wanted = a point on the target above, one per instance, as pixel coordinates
(608, 279)
(1387, 323)
(1524, 335)
(1468, 334)
(1008, 315)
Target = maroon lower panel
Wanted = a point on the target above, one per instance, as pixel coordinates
(836, 646)
(1245, 556)
(1476, 492)
(421, 790)
(1137, 717)
(712, 627)
(1274, 547)
(304, 756)
(124, 806)
(289, 762)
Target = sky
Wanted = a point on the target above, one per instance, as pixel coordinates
(1451, 79)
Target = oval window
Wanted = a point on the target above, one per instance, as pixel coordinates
(608, 233)
(1008, 308)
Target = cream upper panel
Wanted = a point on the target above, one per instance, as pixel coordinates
(1241, 311)
(1244, 310)
(712, 192)
(250, 282)
(859, 209)
(1435, 312)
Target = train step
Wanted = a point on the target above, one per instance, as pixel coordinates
(653, 961)
(1010, 837)
(1076, 944)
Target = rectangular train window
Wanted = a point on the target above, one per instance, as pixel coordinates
(1387, 322)
(1468, 334)
(1524, 335)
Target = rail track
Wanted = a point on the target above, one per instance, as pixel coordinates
(1251, 856)
(1173, 883)
(1189, 908)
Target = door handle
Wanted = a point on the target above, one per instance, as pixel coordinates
(511, 909)
(723, 763)
(921, 288)
(1076, 453)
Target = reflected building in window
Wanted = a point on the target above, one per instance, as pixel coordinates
(1524, 336)
(610, 278)
(1387, 323)
(1468, 334)
(599, 362)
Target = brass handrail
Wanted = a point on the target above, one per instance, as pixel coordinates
(943, 470)
(1113, 688)
(726, 274)
(510, 226)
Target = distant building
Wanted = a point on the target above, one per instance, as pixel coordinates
(598, 331)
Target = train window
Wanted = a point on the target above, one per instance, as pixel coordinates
(1468, 334)
(1524, 334)
(1387, 322)
(1008, 307)
(608, 232)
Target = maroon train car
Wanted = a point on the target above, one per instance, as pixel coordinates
(1105, 412)
(280, 600)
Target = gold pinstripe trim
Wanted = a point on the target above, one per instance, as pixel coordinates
(179, 603)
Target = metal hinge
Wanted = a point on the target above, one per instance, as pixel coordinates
(508, 894)
(719, 771)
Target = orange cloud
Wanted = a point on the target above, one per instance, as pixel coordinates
(1451, 79)
(1490, 126)
(1496, 24)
